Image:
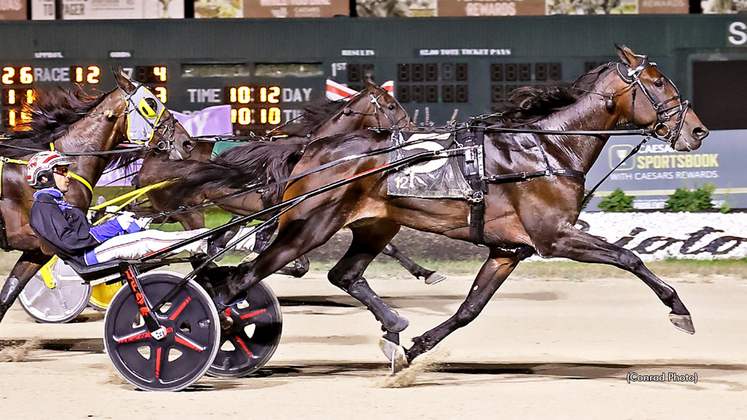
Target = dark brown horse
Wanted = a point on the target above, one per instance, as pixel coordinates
(75, 124)
(534, 213)
(372, 107)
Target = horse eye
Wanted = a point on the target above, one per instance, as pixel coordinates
(659, 83)
(392, 107)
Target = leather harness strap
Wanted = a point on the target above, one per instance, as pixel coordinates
(473, 168)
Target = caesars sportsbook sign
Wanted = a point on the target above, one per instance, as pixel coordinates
(656, 170)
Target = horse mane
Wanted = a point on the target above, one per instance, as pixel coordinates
(316, 114)
(264, 162)
(52, 114)
(529, 104)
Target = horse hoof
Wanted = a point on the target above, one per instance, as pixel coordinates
(434, 278)
(682, 323)
(397, 326)
(395, 353)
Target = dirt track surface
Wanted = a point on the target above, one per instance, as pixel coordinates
(541, 349)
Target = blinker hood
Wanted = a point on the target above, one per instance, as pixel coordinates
(144, 110)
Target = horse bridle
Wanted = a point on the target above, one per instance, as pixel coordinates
(664, 111)
(378, 108)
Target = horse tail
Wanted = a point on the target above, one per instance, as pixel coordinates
(240, 168)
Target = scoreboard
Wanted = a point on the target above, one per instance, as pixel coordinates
(253, 106)
(19, 84)
(268, 70)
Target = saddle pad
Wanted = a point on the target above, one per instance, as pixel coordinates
(435, 178)
(222, 146)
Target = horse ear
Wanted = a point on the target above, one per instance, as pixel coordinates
(628, 56)
(370, 85)
(123, 81)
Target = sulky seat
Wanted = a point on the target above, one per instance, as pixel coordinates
(96, 271)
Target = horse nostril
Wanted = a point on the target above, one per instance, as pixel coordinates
(700, 133)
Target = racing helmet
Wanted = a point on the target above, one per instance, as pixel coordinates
(42, 164)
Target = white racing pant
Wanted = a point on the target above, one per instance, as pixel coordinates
(245, 244)
(135, 245)
(139, 244)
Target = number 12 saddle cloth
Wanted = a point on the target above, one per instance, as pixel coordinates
(435, 177)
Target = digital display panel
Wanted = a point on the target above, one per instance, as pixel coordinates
(254, 106)
(506, 77)
(17, 75)
(432, 82)
(18, 83)
(88, 74)
(155, 77)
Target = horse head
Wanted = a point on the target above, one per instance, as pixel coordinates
(373, 107)
(646, 98)
(150, 122)
(386, 111)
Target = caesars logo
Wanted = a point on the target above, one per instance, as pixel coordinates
(617, 153)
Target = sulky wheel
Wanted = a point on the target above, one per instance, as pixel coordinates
(183, 355)
(252, 338)
(55, 294)
(102, 294)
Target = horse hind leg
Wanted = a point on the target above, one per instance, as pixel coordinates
(368, 240)
(583, 247)
(431, 277)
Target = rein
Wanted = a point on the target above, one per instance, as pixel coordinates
(4, 160)
(630, 154)
(116, 151)
(594, 133)
(502, 178)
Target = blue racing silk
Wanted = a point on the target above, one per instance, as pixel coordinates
(65, 229)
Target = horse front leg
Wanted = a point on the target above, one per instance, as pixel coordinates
(580, 246)
(431, 277)
(491, 276)
(25, 268)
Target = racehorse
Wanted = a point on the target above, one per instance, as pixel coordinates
(372, 107)
(535, 188)
(84, 127)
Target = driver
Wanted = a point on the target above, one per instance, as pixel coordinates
(66, 231)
